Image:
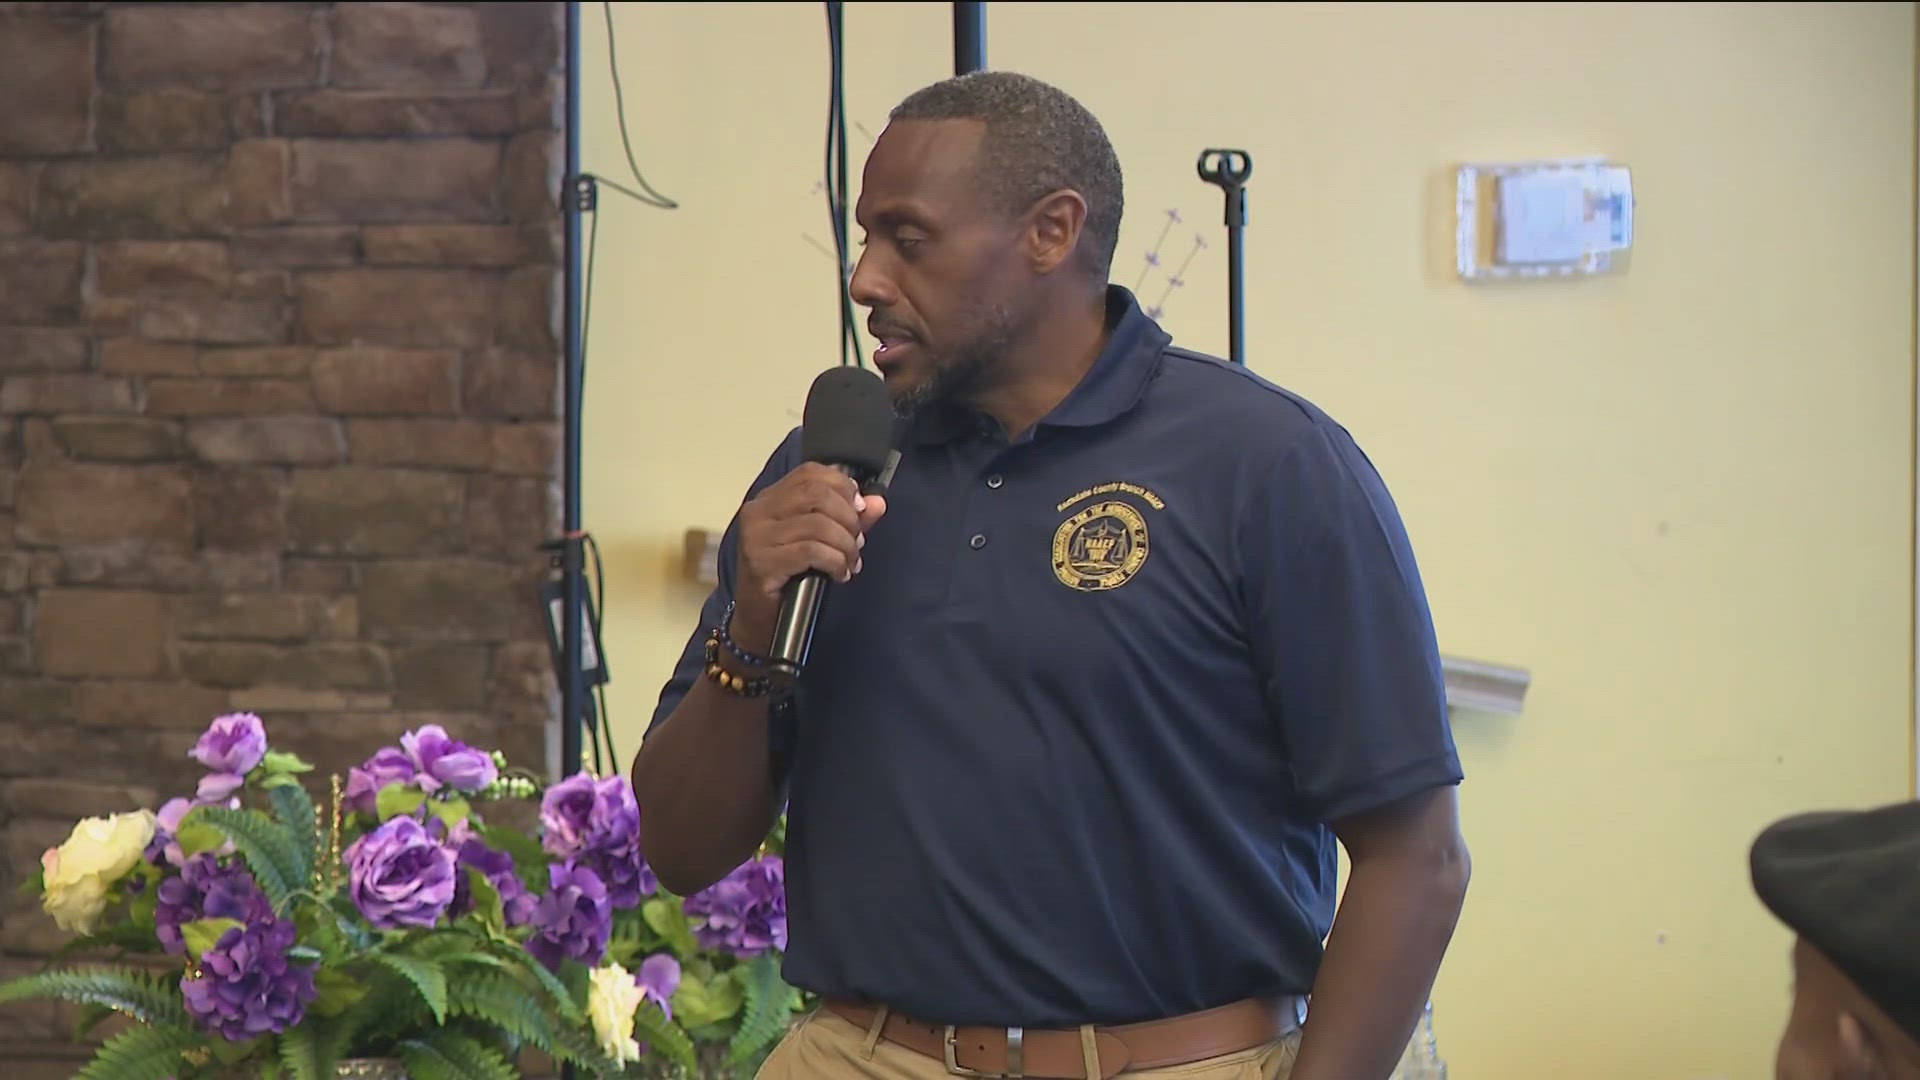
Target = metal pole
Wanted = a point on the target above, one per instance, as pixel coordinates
(572, 692)
(969, 38)
(1236, 283)
(1229, 170)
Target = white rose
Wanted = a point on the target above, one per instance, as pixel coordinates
(79, 873)
(612, 997)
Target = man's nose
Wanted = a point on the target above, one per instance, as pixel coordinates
(869, 286)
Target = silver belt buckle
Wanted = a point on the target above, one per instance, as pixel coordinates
(1016, 1057)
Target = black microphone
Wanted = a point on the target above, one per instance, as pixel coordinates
(849, 424)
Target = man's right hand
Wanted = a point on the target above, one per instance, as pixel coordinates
(814, 518)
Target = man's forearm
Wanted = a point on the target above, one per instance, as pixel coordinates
(1388, 938)
(704, 787)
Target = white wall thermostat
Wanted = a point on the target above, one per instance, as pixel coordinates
(1543, 218)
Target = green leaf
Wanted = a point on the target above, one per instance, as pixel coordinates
(142, 1053)
(453, 811)
(465, 1055)
(669, 920)
(269, 852)
(556, 994)
(294, 808)
(279, 763)
(196, 836)
(203, 934)
(652, 1027)
(699, 1002)
(388, 1005)
(231, 1052)
(397, 799)
(34, 883)
(303, 954)
(143, 995)
(766, 1016)
(88, 1018)
(427, 978)
(336, 992)
(305, 1052)
(502, 1002)
(486, 899)
(529, 858)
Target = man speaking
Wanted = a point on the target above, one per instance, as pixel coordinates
(1131, 639)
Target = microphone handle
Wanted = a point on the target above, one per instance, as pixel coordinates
(793, 629)
(799, 609)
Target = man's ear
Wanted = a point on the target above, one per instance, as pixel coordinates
(1057, 222)
(1859, 1057)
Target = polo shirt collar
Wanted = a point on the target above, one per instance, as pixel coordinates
(1112, 387)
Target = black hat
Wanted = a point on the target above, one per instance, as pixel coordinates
(1848, 882)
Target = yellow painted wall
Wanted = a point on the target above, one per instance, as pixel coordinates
(1681, 496)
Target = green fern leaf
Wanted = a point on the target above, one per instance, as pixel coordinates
(306, 1051)
(469, 1057)
(262, 841)
(426, 977)
(661, 1035)
(141, 1053)
(426, 1063)
(294, 808)
(556, 995)
(389, 1004)
(501, 1002)
(142, 995)
(765, 1015)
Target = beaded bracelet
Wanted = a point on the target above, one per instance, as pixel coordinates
(724, 633)
(737, 685)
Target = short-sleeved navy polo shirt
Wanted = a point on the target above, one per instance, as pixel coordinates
(1066, 750)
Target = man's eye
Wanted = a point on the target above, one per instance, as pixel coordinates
(908, 243)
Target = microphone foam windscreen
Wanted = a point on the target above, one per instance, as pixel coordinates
(849, 420)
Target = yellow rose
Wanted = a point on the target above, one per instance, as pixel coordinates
(612, 997)
(79, 873)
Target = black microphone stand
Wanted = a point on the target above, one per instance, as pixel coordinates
(576, 198)
(969, 38)
(1230, 169)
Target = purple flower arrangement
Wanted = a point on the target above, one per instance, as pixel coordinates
(392, 902)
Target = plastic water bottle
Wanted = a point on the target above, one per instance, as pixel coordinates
(1421, 1061)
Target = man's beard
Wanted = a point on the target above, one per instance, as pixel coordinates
(957, 375)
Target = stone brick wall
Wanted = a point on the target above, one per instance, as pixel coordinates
(279, 309)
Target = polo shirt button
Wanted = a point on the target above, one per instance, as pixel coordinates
(994, 481)
(979, 541)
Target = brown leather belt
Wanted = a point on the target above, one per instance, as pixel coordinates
(1058, 1054)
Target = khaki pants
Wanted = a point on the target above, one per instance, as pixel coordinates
(824, 1046)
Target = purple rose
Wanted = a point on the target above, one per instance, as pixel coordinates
(566, 815)
(659, 977)
(497, 868)
(398, 876)
(745, 912)
(442, 760)
(388, 765)
(573, 920)
(597, 822)
(244, 986)
(234, 743)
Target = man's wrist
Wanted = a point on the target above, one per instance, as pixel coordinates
(745, 639)
(749, 635)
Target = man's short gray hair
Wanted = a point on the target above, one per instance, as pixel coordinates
(1039, 140)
